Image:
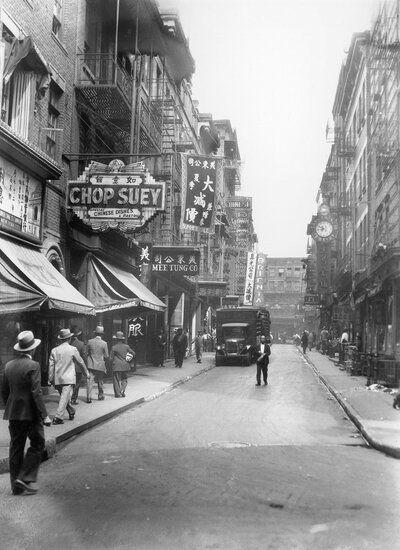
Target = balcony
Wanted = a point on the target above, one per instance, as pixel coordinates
(106, 86)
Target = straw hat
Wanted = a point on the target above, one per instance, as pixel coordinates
(64, 334)
(26, 341)
(119, 335)
(99, 330)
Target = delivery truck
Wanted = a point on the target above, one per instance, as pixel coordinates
(238, 330)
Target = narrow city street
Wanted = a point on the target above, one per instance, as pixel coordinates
(216, 463)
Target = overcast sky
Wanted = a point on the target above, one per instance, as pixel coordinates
(271, 67)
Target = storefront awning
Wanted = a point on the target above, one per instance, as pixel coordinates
(111, 288)
(28, 282)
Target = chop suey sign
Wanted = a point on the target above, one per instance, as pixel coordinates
(116, 195)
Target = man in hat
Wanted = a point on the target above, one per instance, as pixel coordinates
(179, 345)
(79, 373)
(97, 354)
(63, 359)
(121, 356)
(26, 413)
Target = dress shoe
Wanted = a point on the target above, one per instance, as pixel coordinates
(258, 384)
(71, 416)
(117, 396)
(74, 402)
(88, 400)
(28, 486)
(101, 397)
(122, 394)
(57, 420)
(265, 383)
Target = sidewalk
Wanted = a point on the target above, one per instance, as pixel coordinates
(145, 384)
(371, 411)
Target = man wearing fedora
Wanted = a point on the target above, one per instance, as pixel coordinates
(97, 350)
(121, 356)
(26, 413)
(79, 373)
(63, 359)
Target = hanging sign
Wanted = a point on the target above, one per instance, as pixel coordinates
(21, 197)
(116, 196)
(250, 277)
(136, 327)
(200, 179)
(178, 260)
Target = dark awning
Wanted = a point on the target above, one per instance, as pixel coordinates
(111, 288)
(28, 282)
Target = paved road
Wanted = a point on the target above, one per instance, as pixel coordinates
(216, 463)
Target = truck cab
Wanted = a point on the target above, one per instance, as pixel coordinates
(234, 344)
(238, 330)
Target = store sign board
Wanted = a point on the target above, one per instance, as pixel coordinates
(209, 289)
(311, 299)
(21, 199)
(177, 260)
(250, 279)
(116, 196)
(200, 177)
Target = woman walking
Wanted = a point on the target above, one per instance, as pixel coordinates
(121, 357)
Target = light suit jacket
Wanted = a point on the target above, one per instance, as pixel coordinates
(62, 364)
(97, 350)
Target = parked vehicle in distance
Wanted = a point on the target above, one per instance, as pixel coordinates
(237, 331)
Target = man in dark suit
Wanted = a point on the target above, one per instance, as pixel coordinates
(26, 414)
(97, 354)
(263, 352)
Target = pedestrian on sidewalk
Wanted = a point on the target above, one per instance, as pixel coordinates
(262, 351)
(198, 346)
(97, 350)
(62, 373)
(159, 348)
(179, 345)
(324, 340)
(304, 341)
(26, 414)
(79, 372)
(310, 340)
(121, 357)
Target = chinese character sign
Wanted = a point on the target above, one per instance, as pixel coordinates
(250, 278)
(177, 260)
(199, 191)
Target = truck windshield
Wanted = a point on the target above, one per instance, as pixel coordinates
(234, 332)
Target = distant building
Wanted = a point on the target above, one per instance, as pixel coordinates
(284, 289)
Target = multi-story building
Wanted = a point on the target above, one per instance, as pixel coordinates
(364, 198)
(96, 94)
(284, 289)
(37, 71)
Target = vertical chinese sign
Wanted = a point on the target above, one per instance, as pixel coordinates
(200, 175)
(250, 278)
(259, 281)
(324, 267)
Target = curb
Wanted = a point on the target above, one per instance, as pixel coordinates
(54, 444)
(355, 418)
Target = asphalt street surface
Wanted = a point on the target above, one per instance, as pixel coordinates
(217, 463)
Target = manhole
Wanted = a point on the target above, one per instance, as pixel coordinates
(228, 444)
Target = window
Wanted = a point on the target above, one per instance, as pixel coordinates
(57, 18)
(52, 120)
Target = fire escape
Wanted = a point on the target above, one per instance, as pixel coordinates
(384, 112)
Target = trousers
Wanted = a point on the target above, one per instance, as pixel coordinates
(25, 468)
(262, 368)
(120, 381)
(95, 376)
(65, 391)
